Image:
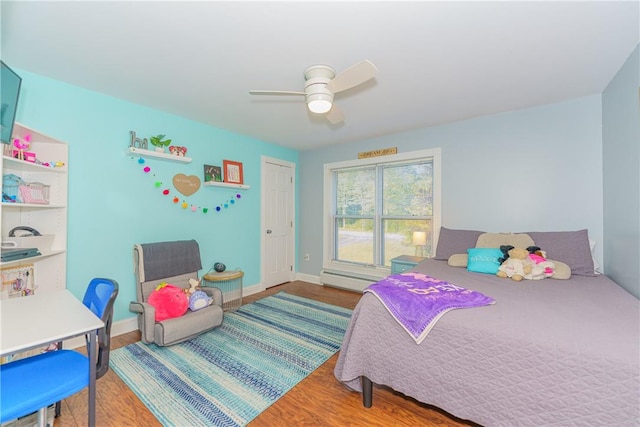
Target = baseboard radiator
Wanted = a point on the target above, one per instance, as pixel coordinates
(344, 281)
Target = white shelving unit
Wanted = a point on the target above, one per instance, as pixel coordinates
(158, 155)
(48, 219)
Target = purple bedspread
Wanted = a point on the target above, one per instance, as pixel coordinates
(417, 301)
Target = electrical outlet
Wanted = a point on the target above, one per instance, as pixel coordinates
(307, 257)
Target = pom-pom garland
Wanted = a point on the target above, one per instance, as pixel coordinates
(183, 203)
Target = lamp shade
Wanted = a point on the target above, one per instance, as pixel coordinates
(419, 238)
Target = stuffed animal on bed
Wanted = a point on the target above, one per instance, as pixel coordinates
(517, 266)
(542, 267)
(169, 302)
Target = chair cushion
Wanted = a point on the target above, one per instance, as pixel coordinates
(193, 323)
(38, 381)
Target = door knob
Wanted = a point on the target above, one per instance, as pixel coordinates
(268, 231)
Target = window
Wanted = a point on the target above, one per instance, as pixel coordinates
(374, 206)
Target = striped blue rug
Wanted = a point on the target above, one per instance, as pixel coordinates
(228, 376)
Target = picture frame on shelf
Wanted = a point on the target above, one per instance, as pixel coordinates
(17, 281)
(232, 172)
(212, 173)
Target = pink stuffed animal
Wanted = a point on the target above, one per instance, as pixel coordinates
(543, 268)
(169, 302)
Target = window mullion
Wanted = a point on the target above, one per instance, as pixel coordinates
(379, 232)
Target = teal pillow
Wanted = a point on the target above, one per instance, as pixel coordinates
(484, 260)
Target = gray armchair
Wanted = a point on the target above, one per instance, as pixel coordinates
(175, 263)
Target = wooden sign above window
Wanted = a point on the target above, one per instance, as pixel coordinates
(378, 153)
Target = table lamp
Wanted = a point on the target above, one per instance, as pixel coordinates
(419, 241)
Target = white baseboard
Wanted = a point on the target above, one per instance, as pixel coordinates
(341, 281)
(308, 278)
(253, 289)
(120, 327)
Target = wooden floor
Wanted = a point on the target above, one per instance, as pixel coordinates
(319, 400)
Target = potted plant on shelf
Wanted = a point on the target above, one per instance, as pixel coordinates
(159, 142)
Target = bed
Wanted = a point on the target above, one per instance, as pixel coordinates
(548, 352)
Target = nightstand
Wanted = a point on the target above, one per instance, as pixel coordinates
(403, 263)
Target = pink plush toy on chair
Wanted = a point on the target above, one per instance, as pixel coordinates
(169, 302)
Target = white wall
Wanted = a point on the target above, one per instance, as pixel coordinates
(621, 143)
(538, 169)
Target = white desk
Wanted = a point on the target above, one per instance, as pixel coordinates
(45, 318)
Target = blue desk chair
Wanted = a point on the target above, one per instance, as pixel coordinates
(34, 383)
(100, 297)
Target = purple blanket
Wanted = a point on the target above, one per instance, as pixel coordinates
(417, 301)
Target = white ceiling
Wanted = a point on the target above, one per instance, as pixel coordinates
(438, 62)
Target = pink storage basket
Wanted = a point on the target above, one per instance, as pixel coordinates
(35, 192)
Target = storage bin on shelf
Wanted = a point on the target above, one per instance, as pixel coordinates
(35, 192)
(10, 188)
(16, 190)
(230, 283)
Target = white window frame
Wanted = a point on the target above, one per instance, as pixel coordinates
(328, 241)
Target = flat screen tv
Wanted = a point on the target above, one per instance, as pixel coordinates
(9, 92)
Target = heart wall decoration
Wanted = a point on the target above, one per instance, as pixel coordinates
(186, 185)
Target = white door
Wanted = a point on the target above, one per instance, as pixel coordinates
(277, 221)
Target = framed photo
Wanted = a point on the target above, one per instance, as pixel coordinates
(17, 281)
(212, 173)
(232, 172)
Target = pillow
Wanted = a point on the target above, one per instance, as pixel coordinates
(561, 271)
(455, 242)
(592, 246)
(484, 260)
(495, 240)
(569, 247)
(457, 260)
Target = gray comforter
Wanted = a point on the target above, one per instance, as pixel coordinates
(549, 352)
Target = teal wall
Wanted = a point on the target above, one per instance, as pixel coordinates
(621, 167)
(113, 204)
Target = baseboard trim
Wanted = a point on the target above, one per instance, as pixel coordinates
(337, 280)
(309, 278)
(120, 327)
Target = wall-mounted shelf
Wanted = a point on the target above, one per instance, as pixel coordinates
(156, 154)
(226, 185)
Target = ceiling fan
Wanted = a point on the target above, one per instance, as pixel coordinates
(322, 82)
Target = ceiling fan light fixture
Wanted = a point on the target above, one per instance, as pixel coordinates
(319, 103)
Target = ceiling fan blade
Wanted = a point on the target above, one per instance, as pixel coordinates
(335, 115)
(352, 76)
(275, 92)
